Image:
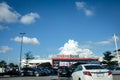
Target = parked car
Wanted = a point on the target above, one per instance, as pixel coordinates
(113, 69)
(12, 72)
(30, 72)
(2, 71)
(63, 71)
(109, 67)
(91, 72)
(116, 70)
(42, 71)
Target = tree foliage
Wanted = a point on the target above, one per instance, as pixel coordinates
(107, 56)
(117, 50)
(107, 59)
(11, 65)
(3, 63)
(28, 56)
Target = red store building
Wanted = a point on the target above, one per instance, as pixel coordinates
(68, 60)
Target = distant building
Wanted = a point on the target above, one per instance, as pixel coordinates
(59, 60)
(34, 62)
(68, 60)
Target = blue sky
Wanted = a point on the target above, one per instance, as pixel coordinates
(58, 26)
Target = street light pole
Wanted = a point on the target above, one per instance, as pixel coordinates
(22, 34)
(117, 53)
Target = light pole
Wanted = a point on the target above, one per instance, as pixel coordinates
(22, 34)
(117, 53)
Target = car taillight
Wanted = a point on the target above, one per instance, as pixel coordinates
(87, 73)
(109, 73)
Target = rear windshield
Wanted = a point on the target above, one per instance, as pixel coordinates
(63, 67)
(88, 67)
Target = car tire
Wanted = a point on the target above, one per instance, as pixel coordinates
(79, 79)
(59, 75)
(72, 78)
(22, 74)
(37, 74)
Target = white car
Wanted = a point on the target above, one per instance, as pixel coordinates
(91, 72)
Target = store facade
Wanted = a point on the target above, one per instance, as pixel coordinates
(60, 60)
(68, 60)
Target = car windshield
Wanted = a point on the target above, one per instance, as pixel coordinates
(63, 67)
(88, 67)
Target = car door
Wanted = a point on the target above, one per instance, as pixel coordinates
(78, 73)
(30, 71)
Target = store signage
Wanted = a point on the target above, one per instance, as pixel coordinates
(64, 64)
(67, 56)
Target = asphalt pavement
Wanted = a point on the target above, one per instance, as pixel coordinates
(115, 77)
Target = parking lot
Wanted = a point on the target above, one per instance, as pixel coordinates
(115, 77)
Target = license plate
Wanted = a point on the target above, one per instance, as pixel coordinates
(100, 74)
(63, 73)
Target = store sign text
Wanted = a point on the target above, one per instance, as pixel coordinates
(68, 56)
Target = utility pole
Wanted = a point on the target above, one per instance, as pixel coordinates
(22, 34)
(116, 47)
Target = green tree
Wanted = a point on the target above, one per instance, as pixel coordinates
(117, 50)
(11, 65)
(107, 59)
(3, 63)
(28, 56)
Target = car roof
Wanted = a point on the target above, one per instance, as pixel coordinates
(89, 64)
(63, 67)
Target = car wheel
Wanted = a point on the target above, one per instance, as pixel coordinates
(72, 78)
(22, 74)
(79, 79)
(58, 75)
(37, 74)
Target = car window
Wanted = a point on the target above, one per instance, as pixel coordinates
(63, 68)
(88, 67)
(79, 68)
(117, 68)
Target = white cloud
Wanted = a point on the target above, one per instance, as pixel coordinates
(26, 40)
(107, 42)
(3, 27)
(29, 18)
(72, 48)
(88, 12)
(5, 49)
(82, 6)
(7, 14)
